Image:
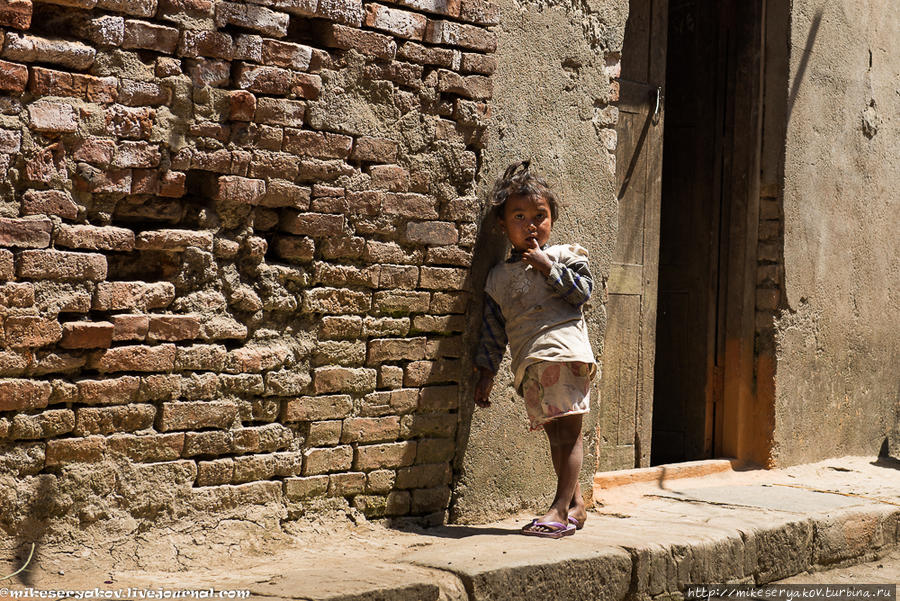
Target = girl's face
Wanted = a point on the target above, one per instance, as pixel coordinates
(526, 221)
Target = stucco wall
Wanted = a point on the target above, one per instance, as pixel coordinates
(552, 103)
(837, 352)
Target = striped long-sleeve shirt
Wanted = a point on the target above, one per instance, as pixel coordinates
(573, 284)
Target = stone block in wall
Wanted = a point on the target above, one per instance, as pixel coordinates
(336, 301)
(196, 414)
(424, 476)
(370, 429)
(300, 488)
(344, 379)
(16, 14)
(438, 398)
(95, 238)
(218, 471)
(449, 302)
(130, 327)
(75, 450)
(252, 16)
(387, 455)
(316, 408)
(449, 255)
(400, 23)
(134, 358)
(420, 373)
(147, 448)
(459, 34)
(473, 62)
(61, 265)
(13, 76)
(480, 12)
(106, 420)
(476, 87)
(211, 44)
(345, 485)
(43, 425)
(347, 12)
(141, 35)
(52, 116)
(427, 500)
(19, 395)
(25, 233)
(137, 8)
(435, 450)
(380, 481)
(35, 49)
(49, 202)
(86, 334)
(366, 42)
(118, 296)
(395, 349)
(326, 460)
(324, 433)
(439, 425)
(112, 391)
(49, 82)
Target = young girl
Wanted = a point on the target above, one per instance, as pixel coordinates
(533, 301)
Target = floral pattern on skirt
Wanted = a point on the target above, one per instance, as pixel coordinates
(554, 389)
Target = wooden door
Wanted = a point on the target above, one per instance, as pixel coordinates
(626, 391)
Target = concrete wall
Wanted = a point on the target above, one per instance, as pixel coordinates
(836, 390)
(552, 98)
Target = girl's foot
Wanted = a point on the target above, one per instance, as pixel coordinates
(577, 519)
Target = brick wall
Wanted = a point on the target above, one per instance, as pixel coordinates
(235, 248)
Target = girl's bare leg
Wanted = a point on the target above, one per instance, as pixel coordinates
(567, 454)
(576, 506)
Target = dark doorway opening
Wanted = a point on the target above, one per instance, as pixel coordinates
(696, 230)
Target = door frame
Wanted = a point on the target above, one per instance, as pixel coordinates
(738, 354)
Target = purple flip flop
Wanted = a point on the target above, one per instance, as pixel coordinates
(552, 529)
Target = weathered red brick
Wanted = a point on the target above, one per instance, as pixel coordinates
(115, 391)
(197, 414)
(201, 357)
(16, 294)
(401, 301)
(251, 16)
(299, 488)
(242, 105)
(13, 76)
(134, 358)
(212, 44)
(117, 296)
(462, 35)
(106, 420)
(48, 82)
(395, 349)
(43, 425)
(312, 224)
(441, 7)
(208, 71)
(131, 123)
(75, 450)
(390, 455)
(344, 379)
(326, 460)
(91, 179)
(370, 429)
(52, 116)
(49, 202)
(285, 54)
(264, 79)
(336, 301)
(241, 190)
(173, 327)
(60, 265)
(21, 395)
(400, 23)
(317, 144)
(37, 49)
(15, 13)
(25, 233)
(95, 238)
(149, 36)
(97, 151)
(367, 42)
(256, 358)
(137, 8)
(432, 232)
(348, 12)
(86, 334)
(443, 278)
(151, 448)
(173, 240)
(485, 64)
(136, 154)
(419, 373)
(172, 184)
(477, 87)
(31, 331)
(480, 12)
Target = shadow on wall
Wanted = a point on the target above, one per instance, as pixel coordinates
(490, 248)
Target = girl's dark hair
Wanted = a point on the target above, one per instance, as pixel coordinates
(518, 180)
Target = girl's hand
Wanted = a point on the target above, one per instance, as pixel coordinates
(483, 387)
(537, 258)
